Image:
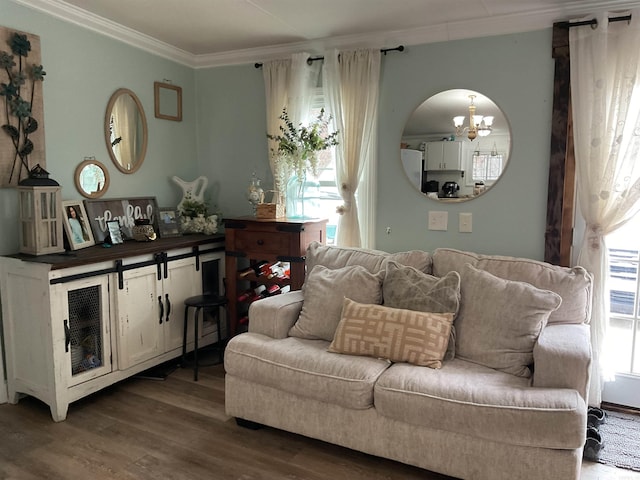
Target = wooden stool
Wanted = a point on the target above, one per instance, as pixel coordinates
(200, 302)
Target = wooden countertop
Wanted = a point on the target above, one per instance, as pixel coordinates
(130, 248)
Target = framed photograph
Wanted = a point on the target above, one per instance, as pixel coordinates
(76, 225)
(168, 223)
(115, 234)
(124, 210)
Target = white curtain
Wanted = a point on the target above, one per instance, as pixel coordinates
(276, 75)
(606, 123)
(351, 84)
(288, 83)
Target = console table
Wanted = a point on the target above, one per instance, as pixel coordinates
(271, 240)
(77, 322)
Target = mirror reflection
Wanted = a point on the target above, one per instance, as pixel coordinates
(91, 178)
(455, 145)
(126, 131)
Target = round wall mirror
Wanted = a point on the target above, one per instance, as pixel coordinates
(92, 178)
(455, 145)
(125, 130)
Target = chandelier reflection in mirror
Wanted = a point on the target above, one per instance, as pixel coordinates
(478, 125)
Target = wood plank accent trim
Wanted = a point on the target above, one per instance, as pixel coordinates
(561, 189)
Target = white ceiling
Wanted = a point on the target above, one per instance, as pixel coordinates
(202, 33)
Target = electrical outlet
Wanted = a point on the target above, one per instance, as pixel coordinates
(465, 222)
(438, 220)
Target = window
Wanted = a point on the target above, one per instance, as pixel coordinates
(328, 196)
(623, 336)
(486, 167)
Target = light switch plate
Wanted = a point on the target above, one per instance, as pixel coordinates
(465, 221)
(438, 220)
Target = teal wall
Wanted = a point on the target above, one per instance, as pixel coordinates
(222, 134)
(516, 71)
(83, 70)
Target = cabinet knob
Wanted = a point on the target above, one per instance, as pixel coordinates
(260, 242)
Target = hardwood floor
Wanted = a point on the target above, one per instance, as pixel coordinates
(177, 429)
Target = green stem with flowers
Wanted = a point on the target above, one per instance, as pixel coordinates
(297, 147)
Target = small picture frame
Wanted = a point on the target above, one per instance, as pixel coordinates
(115, 234)
(168, 223)
(76, 225)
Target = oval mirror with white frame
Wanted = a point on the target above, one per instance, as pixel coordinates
(449, 157)
(92, 178)
(125, 131)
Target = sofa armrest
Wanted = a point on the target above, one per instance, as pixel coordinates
(274, 316)
(562, 358)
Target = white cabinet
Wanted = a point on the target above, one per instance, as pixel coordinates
(88, 320)
(151, 309)
(444, 156)
(57, 336)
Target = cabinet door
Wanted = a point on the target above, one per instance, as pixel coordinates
(451, 156)
(435, 156)
(140, 325)
(183, 281)
(82, 314)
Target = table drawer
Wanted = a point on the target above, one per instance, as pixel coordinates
(266, 242)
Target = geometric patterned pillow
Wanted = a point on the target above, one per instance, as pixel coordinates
(396, 334)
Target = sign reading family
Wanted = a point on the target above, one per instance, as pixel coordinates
(125, 210)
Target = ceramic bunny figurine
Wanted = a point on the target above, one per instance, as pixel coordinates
(195, 189)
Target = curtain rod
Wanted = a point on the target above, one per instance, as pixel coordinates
(593, 21)
(310, 60)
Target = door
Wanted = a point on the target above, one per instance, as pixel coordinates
(140, 323)
(622, 349)
(451, 156)
(435, 156)
(182, 282)
(82, 310)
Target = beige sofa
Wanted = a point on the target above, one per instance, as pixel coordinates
(521, 417)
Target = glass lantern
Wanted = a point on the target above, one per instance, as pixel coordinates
(40, 214)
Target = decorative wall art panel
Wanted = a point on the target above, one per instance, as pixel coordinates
(22, 133)
(124, 210)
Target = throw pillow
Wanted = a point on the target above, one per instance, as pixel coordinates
(323, 292)
(332, 256)
(396, 334)
(500, 320)
(407, 287)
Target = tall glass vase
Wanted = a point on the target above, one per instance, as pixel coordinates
(303, 197)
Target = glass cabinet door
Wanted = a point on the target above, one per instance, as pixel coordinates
(86, 323)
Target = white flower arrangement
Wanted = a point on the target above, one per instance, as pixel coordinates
(195, 218)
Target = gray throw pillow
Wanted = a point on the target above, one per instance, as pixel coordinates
(408, 288)
(500, 320)
(324, 291)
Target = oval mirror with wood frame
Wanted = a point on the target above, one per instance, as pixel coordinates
(92, 178)
(125, 131)
(445, 156)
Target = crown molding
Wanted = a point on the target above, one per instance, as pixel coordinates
(537, 19)
(82, 18)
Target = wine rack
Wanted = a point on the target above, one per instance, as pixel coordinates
(251, 242)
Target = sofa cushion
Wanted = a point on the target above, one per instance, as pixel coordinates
(409, 288)
(304, 367)
(398, 335)
(572, 284)
(500, 320)
(334, 257)
(476, 401)
(323, 292)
